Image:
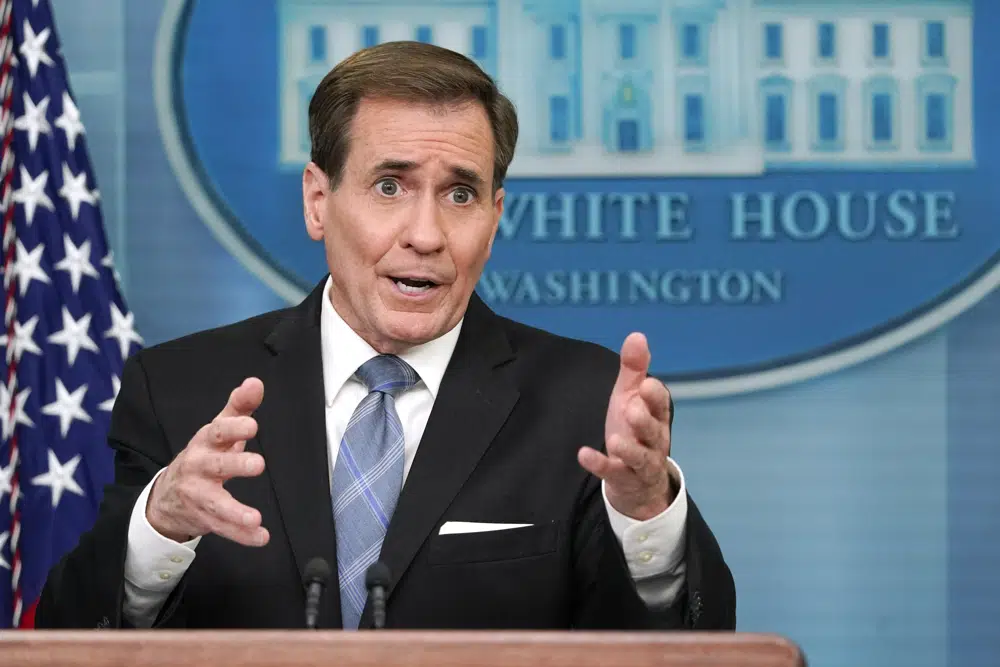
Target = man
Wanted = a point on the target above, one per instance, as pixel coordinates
(507, 477)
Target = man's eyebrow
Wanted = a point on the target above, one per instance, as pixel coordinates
(394, 165)
(463, 173)
(469, 176)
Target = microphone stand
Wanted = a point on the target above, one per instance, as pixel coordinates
(377, 581)
(314, 579)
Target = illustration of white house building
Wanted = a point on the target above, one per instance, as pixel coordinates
(678, 87)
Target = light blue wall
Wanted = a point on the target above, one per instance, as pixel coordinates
(858, 512)
(829, 499)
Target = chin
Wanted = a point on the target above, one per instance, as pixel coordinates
(415, 328)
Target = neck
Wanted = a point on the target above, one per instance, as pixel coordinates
(381, 344)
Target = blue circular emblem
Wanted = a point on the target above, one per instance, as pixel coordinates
(770, 191)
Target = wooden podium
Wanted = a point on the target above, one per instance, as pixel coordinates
(394, 648)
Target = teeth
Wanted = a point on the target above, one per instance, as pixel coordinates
(409, 289)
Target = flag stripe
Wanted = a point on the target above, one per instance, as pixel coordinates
(10, 303)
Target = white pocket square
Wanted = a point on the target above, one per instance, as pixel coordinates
(459, 527)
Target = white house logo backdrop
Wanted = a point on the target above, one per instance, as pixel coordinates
(770, 189)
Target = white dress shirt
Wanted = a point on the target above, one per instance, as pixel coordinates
(654, 549)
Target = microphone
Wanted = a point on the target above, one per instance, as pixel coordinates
(317, 572)
(376, 581)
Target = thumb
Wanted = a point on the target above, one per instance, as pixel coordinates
(635, 358)
(244, 399)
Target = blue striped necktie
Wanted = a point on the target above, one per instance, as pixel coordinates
(367, 478)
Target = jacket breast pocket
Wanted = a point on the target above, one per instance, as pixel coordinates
(495, 545)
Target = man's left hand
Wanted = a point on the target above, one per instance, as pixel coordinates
(637, 436)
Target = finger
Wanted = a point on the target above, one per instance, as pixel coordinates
(635, 456)
(647, 430)
(635, 358)
(248, 537)
(657, 397)
(223, 432)
(225, 465)
(602, 466)
(244, 399)
(229, 518)
(238, 446)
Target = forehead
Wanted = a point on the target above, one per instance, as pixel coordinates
(453, 135)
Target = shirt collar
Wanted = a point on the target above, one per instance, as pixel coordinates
(344, 351)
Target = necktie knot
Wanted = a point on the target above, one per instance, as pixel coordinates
(387, 373)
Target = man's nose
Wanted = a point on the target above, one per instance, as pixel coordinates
(424, 231)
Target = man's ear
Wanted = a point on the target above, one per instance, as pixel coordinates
(315, 193)
(498, 203)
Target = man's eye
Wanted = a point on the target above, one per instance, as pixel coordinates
(388, 187)
(462, 195)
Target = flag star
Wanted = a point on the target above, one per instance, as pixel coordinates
(6, 479)
(74, 335)
(27, 267)
(23, 340)
(16, 402)
(59, 478)
(67, 406)
(123, 330)
(75, 191)
(77, 262)
(4, 536)
(109, 404)
(69, 121)
(34, 120)
(32, 193)
(33, 48)
(109, 262)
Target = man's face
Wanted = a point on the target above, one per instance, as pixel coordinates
(410, 226)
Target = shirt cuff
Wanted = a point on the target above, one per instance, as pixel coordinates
(154, 562)
(655, 546)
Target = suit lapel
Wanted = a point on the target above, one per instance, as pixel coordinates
(292, 435)
(473, 402)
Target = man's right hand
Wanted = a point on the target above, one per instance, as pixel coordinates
(188, 499)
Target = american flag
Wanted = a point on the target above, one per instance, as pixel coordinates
(67, 328)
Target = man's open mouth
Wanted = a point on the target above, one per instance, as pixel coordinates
(413, 285)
